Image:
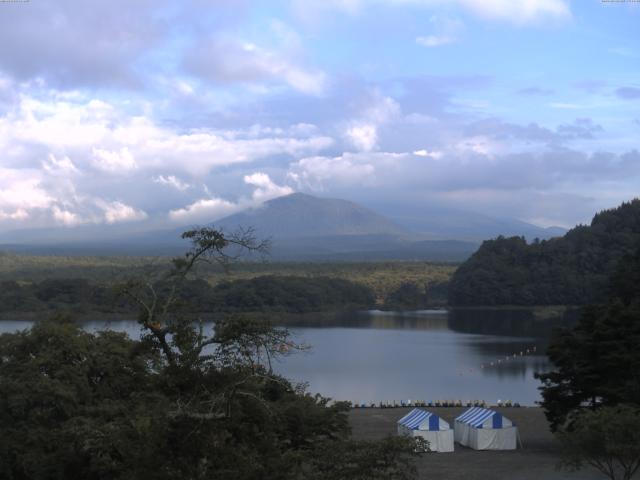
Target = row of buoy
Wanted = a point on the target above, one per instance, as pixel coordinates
(500, 361)
(507, 358)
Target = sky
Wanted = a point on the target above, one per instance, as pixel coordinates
(157, 113)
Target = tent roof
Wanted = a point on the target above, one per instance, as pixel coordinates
(476, 417)
(417, 417)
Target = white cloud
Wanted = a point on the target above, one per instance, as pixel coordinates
(214, 208)
(519, 12)
(54, 144)
(362, 132)
(19, 214)
(114, 161)
(206, 209)
(514, 11)
(446, 31)
(59, 166)
(22, 189)
(117, 212)
(99, 135)
(227, 60)
(65, 217)
(172, 181)
(317, 173)
(436, 154)
(266, 188)
(364, 137)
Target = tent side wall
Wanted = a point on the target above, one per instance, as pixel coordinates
(461, 433)
(493, 438)
(439, 440)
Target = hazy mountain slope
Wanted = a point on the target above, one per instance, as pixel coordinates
(301, 227)
(440, 223)
(300, 215)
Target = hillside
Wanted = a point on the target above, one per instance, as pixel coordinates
(304, 227)
(572, 269)
(301, 215)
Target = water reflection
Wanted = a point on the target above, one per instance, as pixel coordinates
(428, 355)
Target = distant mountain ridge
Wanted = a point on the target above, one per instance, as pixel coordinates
(301, 227)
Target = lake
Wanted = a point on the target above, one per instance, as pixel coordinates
(425, 355)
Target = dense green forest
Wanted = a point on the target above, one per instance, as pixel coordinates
(269, 293)
(569, 270)
(383, 278)
(591, 397)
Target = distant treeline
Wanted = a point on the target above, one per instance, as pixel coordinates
(261, 294)
(267, 293)
(570, 270)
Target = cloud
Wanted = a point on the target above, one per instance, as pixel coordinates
(266, 189)
(376, 111)
(227, 60)
(66, 217)
(115, 161)
(628, 93)
(206, 209)
(214, 208)
(95, 161)
(71, 42)
(447, 31)
(581, 128)
(172, 181)
(517, 12)
(520, 12)
(22, 190)
(19, 214)
(96, 135)
(318, 173)
(426, 153)
(118, 212)
(59, 166)
(363, 136)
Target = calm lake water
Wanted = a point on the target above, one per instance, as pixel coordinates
(424, 355)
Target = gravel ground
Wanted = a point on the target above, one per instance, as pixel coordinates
(536, 461)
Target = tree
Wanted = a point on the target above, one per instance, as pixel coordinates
(407, 295)
(607, 439)
(597, 362)
(179, 403)
(569, 270)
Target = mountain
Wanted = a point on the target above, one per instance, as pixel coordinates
(443, 223)
(301, 227)
(301, 215)
(569, 270)
(304, 227)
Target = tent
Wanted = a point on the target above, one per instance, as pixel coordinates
(427, 425)
(484, 429)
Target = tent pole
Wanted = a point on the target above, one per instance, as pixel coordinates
(519, 439)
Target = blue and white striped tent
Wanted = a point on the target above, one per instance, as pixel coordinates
(484, 429)
(429, 426)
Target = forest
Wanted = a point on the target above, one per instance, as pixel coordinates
(263, 294)
(569, 270)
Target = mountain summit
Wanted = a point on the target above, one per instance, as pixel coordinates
(301, 215)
